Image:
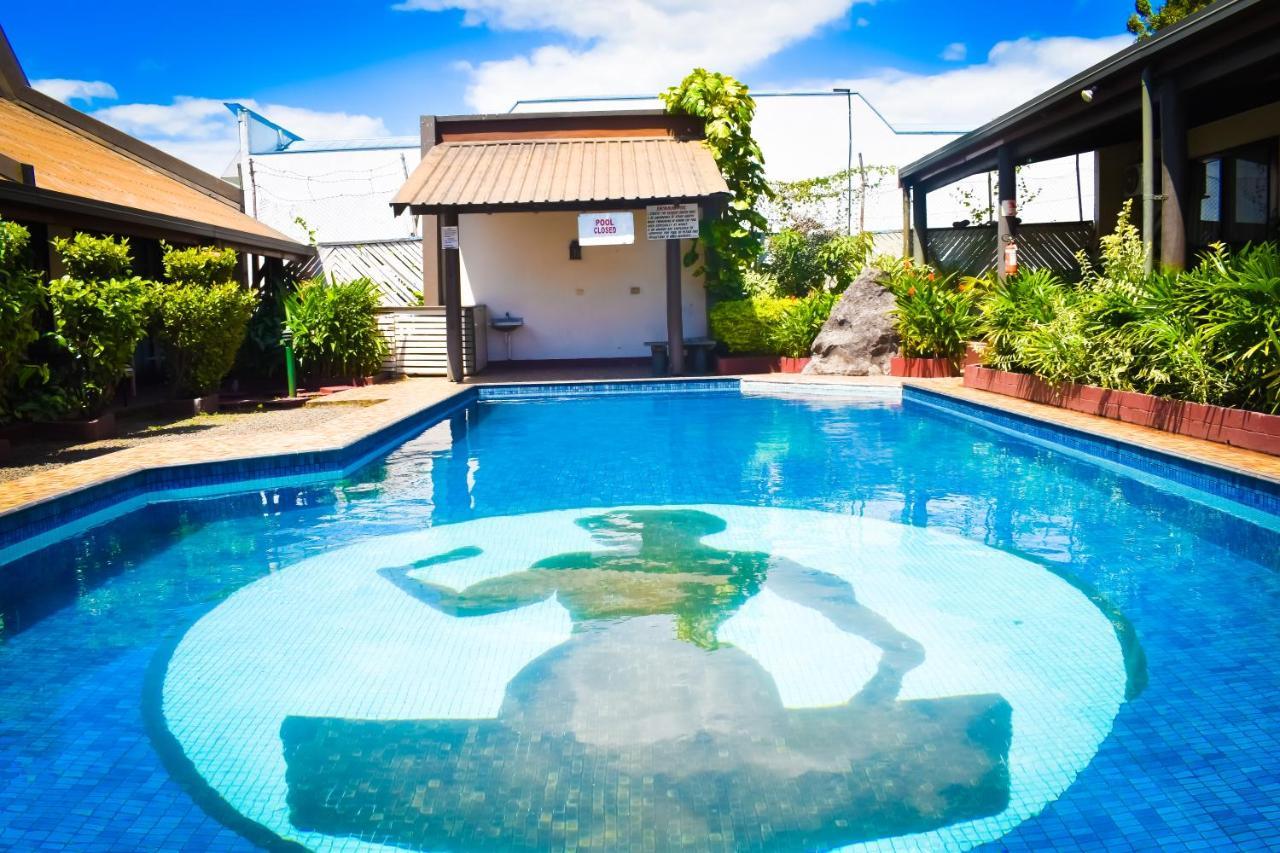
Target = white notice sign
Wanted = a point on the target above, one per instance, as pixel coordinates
(448, 236)
(671, 221)
(606, 229)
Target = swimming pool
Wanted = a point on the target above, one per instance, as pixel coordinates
(711, 618)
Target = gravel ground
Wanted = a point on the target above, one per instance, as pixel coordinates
(33, 457)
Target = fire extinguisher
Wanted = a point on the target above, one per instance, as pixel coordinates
(1011, 257)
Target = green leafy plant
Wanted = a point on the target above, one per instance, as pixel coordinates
(20, 299)
(935, 315)
(89, 258)
(792, 333)
(201, 317)
(805, 259)
(744, 325)
(99, 313)
(335, 328)
(736, 238)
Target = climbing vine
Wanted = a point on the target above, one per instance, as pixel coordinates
(735, 239)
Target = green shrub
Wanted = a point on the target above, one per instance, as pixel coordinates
(335, 328)
(201, 317)
(206, 265)
(201, 328)
(935, 316)
(744, 325)
(99, 314)
(99, 324)
(89, 258)
(803, 260)
(20, 298)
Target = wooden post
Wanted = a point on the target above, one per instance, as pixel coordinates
(1148, 171)
(1173, 178)
(675, 311)
(1006, 226)
(452, 299)
(432, 269)
(920, 219)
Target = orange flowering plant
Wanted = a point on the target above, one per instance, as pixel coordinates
(936, 315)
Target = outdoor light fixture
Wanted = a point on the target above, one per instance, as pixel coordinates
(1086, 95)
(575, 250)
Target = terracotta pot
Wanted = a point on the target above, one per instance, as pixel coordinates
(922, 368)
(1237, 427)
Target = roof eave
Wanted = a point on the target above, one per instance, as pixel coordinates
(35, 199)
(560, 206)
(988, 134)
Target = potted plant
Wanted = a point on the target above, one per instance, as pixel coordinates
(935, 317)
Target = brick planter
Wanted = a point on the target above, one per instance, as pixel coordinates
(103, 426)
(733, 365)
(922, 368)
(1236, 427)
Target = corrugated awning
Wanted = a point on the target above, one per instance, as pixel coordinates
(550, 174)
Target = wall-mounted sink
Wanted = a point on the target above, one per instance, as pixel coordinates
(506, 324)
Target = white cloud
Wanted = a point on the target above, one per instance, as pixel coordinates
(202, 131)
(629, 45)
(955, 52)
(963, 98)
(66, 90)
(863, 22)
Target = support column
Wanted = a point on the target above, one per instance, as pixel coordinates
(675, 310)
(1173, 178)
(920, 221)
(432, 259)
(1148, 172)
(452, 269)
(906, 222)
(1006, 214)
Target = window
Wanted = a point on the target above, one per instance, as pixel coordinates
(1237, 202)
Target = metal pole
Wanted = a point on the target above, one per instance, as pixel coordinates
(1148, 173)
(289, 372)
(1079, 191)
(862, 195)
(848, 193)
(675, 311)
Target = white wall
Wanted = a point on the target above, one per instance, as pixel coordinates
(518, 263)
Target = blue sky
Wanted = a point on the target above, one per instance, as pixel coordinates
(341, 69)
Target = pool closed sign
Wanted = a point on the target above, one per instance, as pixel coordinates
(606, 229)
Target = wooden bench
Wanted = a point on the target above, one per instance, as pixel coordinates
(696, 352)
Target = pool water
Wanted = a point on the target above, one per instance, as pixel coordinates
(656, 621)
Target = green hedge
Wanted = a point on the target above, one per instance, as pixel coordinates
(766, 325)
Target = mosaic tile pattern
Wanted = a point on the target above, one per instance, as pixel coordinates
(1186, 765)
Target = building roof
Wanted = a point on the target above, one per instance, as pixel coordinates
(575, 173)
(1223, 59)
(90, 175)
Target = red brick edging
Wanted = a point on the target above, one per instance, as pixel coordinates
(922, 368)
(1236, 427)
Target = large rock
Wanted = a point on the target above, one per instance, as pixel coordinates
(858, 338)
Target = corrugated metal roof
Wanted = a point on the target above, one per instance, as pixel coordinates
(533, 173)
(71, 161)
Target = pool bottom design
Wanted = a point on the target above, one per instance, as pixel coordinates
(717, 676)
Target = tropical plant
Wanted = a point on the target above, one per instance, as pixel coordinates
(792, 333)
(20, 298)
(736, 238)
(201, 316)
(935, 315)
(99, 313)
(335, 327)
